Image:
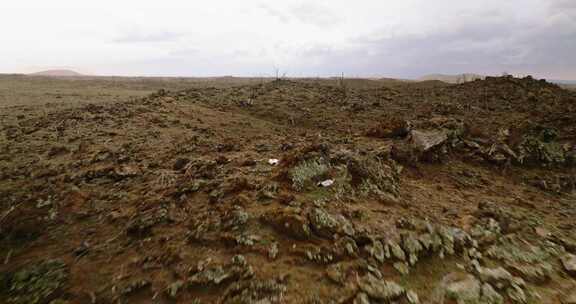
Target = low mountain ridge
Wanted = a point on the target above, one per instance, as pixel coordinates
(58, 73)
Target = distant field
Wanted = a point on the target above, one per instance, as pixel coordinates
(36, 90)
(18, 90)
(571, 87)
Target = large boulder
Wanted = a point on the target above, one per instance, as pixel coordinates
(424, 141)
(429, 146)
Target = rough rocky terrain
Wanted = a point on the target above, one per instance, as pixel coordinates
(293, 191)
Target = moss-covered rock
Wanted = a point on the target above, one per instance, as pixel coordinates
(535, 151)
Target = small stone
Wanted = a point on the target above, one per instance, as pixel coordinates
(570, 298)
(426, 240)
(180, 164)
(447, 237)
(397, 251)
(319, 255)
(246, 239)
(412, 297)
(376, 250)
(239, 260)
(542, 232)
(516, 294)
(380, 289)
(473, 254)
(238, 218)
(335, 273)
(349, 245)
(412, 247)
(361, 298)
(402, 268)
(569, 263)
(436, 240)
(462, 288)
(373, 270)
(490, 296)
(536, 273)
(172, 289)
(273, 251)
(82, 249)
(498, 277)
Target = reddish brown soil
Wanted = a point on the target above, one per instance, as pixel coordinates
(144, 189)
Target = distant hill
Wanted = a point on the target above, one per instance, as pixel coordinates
(58, 73)
(562, 81)
(459, 78)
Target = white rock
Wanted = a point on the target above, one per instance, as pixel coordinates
(326, 183)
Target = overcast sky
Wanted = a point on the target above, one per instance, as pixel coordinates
(395, 38)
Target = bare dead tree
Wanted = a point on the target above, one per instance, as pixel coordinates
(342, 85)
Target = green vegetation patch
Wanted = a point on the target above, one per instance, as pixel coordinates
(307, 173)
(35, 284)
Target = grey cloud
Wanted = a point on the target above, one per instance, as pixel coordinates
(563, 5)
(488, 41)
(306, 13)
(489, 45)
